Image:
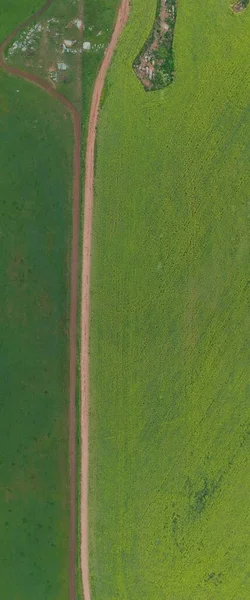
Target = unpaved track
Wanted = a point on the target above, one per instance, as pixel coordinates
(121, 21)
(44, 85)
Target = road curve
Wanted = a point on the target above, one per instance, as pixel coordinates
(121, 21)
(45, 86)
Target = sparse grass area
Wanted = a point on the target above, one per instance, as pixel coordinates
(44, 48)
(169, 417)
(41, 48)
(36, 180)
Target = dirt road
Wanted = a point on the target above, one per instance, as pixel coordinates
(122, 18)
(44, 85)
(89, 184)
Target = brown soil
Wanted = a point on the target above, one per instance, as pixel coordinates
(122, 18)
(46, 86)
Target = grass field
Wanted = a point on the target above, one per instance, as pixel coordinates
(169, 471)
(12, 15)
(36, 180)
(36, 217)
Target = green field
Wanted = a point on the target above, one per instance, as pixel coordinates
(170, 354)
(12, 15)
(36, 240)
(36, 175)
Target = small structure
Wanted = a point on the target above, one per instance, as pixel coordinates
(62, 66)
(79, 24)
(69, 43)
(86, 45)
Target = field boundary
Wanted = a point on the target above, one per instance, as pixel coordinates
(46, 87)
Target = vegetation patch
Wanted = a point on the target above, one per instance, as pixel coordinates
(154, 66)
(66, 46)
(240, 6)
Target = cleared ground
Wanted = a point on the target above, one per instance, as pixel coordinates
(169, 414)
(35, 258)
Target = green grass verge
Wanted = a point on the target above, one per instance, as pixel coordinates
(169, 416)
(35, 255)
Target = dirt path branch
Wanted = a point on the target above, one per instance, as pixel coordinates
(45, 86)
(121, 21)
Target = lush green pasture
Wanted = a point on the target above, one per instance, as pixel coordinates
(36, 175)
(170, 354)
(13, 13)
